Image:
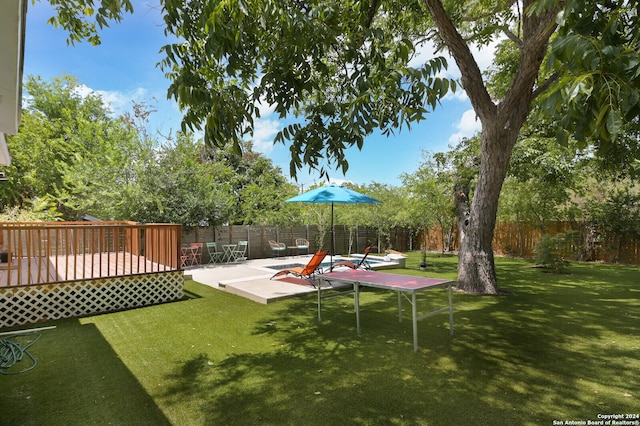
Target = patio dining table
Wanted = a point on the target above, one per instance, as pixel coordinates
(403, 284)
(228, 252)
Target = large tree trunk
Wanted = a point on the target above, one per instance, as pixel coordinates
(463, 207)
(476, 269)
(501, 123)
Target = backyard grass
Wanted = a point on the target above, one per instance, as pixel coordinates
(564, 348)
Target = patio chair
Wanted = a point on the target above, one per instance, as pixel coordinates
(215, 256)
(277, 248)
(362, 264)
(240, 252)
(196, 253)
(185, 255)
(302, 244)
(307, 272)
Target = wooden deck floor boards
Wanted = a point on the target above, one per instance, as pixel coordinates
(66, 268)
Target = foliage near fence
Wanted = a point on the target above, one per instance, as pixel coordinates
(517, 239)
(579, 242)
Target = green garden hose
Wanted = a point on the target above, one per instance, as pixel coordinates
(11, 353)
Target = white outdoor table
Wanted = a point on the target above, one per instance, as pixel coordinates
(403, 284)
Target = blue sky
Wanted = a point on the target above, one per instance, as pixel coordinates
(123, 69)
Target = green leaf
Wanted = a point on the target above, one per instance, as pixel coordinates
(614, 123)
(562, 136)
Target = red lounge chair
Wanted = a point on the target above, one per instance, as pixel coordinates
(308, 271)
(362, 264)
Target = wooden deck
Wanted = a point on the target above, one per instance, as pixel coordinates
(43, 270)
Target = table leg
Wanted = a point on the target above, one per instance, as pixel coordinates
(450, 310)
(356, 302)
(414, 315)
(228, 253)
(319, 300)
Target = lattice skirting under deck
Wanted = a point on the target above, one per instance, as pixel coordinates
(36, 303)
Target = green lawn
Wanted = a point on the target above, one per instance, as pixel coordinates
(564, 347)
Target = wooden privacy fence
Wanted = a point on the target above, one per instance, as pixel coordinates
(47, 252)
(520, 239)
(346, 240)
(578, 242)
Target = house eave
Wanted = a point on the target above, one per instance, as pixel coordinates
(12, 40)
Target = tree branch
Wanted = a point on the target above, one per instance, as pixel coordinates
(545, 85)
(472, 81)
(511, 36)
(372, 13)
(537, 29)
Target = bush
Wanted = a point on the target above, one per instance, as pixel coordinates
(548, 253)
(40, 210)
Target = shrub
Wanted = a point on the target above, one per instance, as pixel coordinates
(548, 253)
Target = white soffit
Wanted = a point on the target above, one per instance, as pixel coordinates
(12, 32)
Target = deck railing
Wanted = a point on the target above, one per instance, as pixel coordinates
(49, 252)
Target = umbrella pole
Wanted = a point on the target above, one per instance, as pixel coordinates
(333, 241)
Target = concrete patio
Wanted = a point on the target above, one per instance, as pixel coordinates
(251, 279)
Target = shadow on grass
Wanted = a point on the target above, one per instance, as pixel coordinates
(566, 347)
(190, 295)
(79, 379)
(438, 265)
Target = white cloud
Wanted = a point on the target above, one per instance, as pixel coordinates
(484, 55)
(338, 181)
(265, 129)
(165, 115)
(265, 109)
(459, 95)
(468, 126)
(424, 52)
(115, 101)
(121, 102)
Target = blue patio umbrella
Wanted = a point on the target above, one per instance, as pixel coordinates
(333, 194)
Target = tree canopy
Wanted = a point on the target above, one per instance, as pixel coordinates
(58, 126)
(339, 70)
(71, 157)
(84, 19)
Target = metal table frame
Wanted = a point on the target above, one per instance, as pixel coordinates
(403, 284)
(228, 253)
